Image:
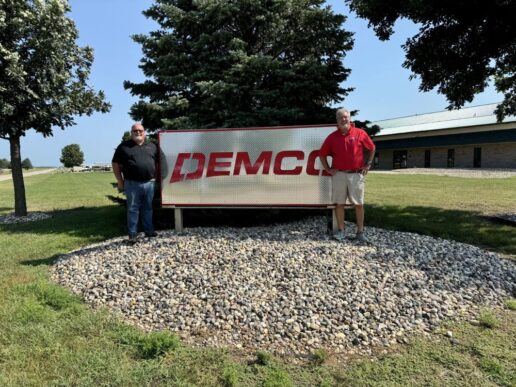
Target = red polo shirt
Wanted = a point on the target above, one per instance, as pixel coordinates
(347, 150)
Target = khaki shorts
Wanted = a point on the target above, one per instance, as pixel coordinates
(347, 188)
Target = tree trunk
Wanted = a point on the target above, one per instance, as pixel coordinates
(20, 204)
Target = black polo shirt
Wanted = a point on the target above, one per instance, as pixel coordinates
(138, 161)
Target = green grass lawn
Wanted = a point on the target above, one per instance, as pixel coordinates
(49, 337)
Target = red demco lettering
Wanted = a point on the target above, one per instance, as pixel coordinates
(242, 158)
(219, 164)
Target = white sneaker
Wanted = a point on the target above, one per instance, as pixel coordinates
(339, 236)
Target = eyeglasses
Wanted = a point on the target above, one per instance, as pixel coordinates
(138, 131)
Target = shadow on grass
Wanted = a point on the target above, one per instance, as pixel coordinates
(100, 223)
(41, 262)
(99, 248)
(96, 223)
(117, 199)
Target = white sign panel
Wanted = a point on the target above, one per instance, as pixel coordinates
(269, 167)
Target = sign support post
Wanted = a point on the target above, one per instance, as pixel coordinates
(178, 219)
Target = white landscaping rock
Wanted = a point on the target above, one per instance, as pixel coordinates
(288, 288)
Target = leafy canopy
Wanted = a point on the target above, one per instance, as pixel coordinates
(71, 156)
(26, 164)
(460, 47)
(43, 71)
(43, 77)
(229, 63)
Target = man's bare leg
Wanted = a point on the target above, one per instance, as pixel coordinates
(359, 214)
(339, 214)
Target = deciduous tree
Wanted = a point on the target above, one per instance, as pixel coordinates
(26, 164)
(4, 164)
(220, 63)
(461, 45)
(71, 156)
(43, 76)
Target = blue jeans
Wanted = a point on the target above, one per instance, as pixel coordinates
(139, 200)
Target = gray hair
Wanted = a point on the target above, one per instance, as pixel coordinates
(136, 124)
(341, 111)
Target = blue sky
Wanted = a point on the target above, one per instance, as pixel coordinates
(382, 87)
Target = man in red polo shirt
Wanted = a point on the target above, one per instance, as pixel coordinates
(346, 146)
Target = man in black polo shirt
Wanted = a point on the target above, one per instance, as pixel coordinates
(134, 166)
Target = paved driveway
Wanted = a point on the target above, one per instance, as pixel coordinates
(8, 176)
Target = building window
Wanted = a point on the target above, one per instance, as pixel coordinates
(427, 158)
(376, 160)
(477, 157)
(399, 159)
(451, 158)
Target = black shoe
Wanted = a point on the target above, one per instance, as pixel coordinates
(132, 239)
(152, 234)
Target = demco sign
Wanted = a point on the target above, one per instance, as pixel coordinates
(244, 167)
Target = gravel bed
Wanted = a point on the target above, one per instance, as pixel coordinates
(288, 288)
(31, 217)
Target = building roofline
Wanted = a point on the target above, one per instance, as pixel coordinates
(467, 117)
(438, 111)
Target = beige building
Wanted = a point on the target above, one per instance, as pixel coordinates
(465, 138)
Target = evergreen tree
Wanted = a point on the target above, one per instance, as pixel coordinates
(72, 156)
(126, 136)
(229, 63)
(43, 76)
(365, 125)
